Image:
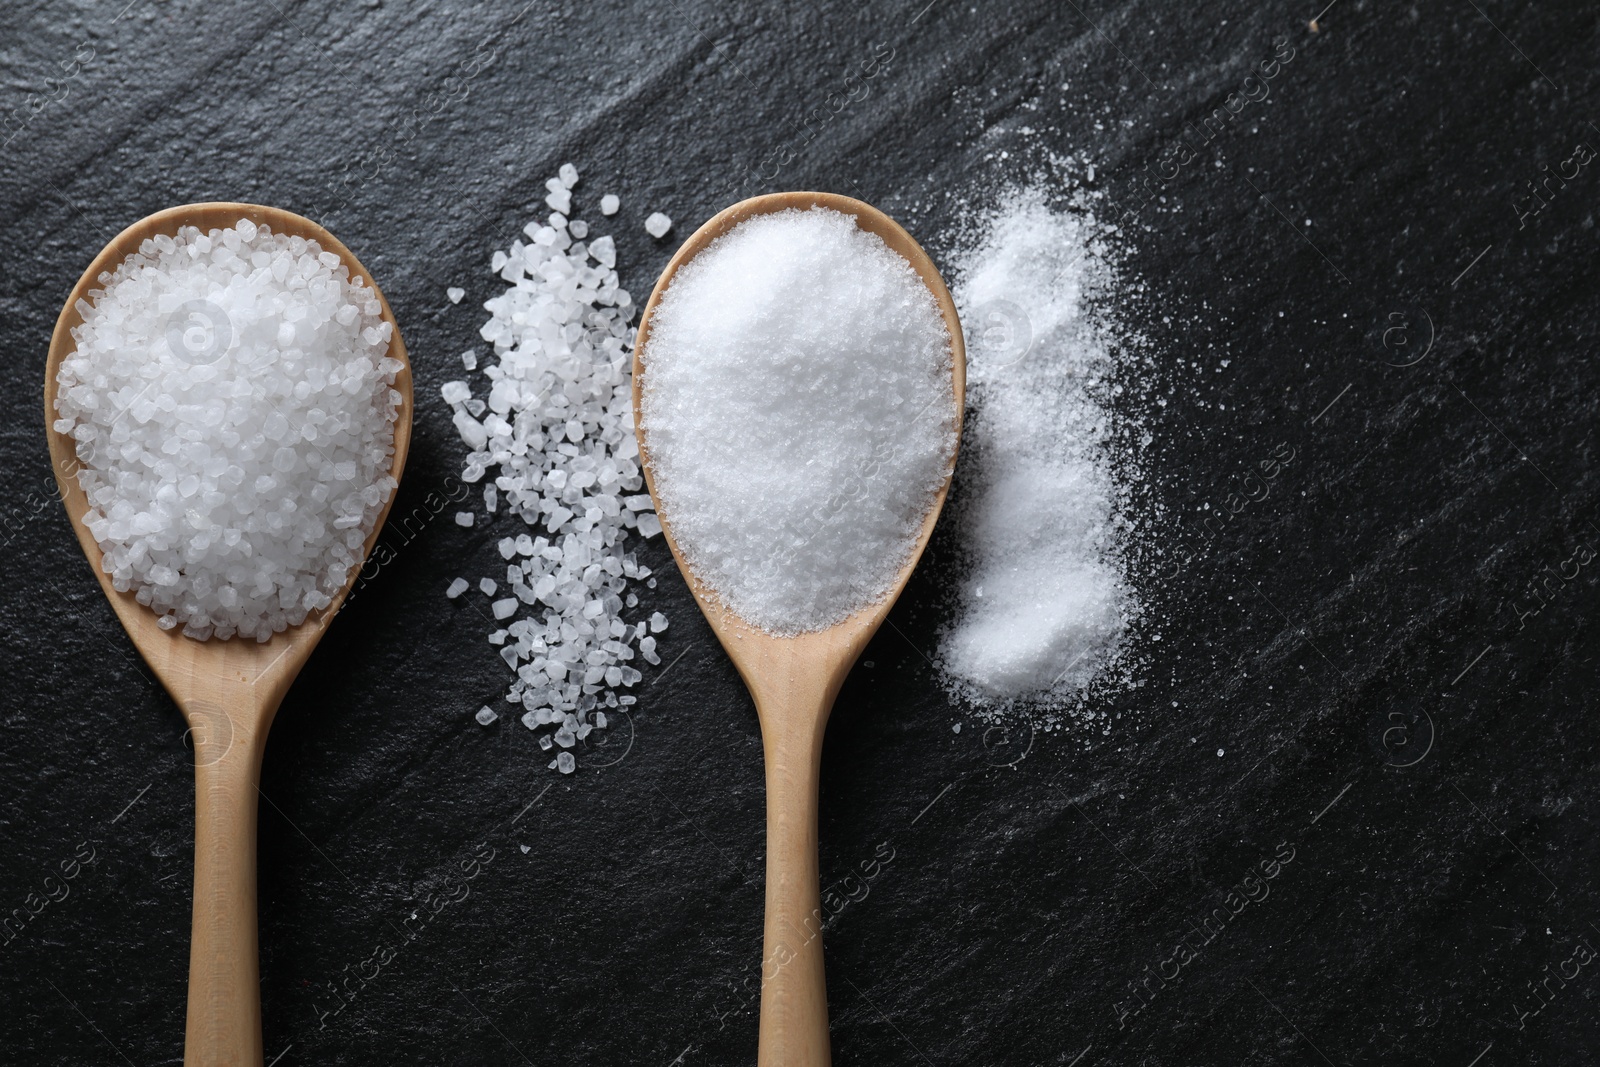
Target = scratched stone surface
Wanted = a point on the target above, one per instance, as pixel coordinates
(1348, 818)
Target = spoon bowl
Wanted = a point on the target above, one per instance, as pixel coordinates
(795, 679)
(227, 690)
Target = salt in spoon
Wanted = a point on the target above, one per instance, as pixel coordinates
(228, 691)
(794, 680)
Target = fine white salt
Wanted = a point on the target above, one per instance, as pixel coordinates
(555, 437)
(1044, 605)
(798, 408)
(233, 406)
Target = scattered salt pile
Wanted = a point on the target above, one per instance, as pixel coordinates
(799, 415)
(1044, 605)
(557, 428)
(232, 403)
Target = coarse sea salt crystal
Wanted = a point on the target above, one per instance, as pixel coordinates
(455, 294)
(609, 204)
(560, 198)
(464, 518)
(1044, 606)
(457, 587)
(551, 436)
(486, 715)
(657, 224)
(798, 404)
(231, 398)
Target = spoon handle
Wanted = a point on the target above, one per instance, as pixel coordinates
(794, 996)
(224, 1023)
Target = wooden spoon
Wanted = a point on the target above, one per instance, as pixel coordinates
(794, 680)
(228, 691)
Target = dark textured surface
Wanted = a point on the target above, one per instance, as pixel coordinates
(1373, 610)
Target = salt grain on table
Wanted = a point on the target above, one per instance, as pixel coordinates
(555, 436)
(1044, 604)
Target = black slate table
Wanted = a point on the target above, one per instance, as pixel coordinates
(1373, 675)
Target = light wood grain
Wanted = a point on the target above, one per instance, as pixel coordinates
(228, 691)
(794, 680)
